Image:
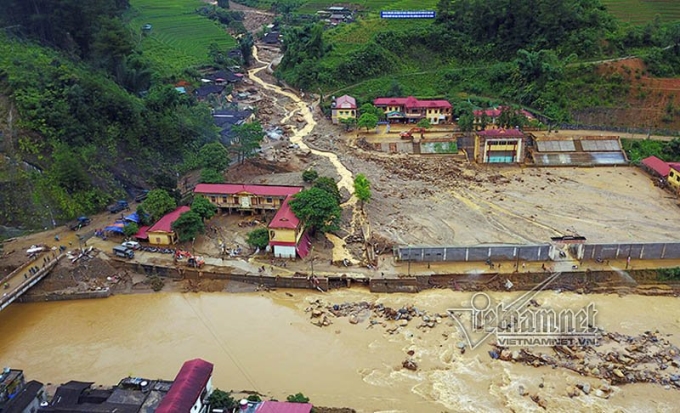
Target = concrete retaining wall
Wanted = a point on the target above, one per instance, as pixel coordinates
(399, 285)
(65, 296)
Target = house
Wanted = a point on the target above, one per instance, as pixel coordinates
(190, 390)
(287, 237)
(161, 232)
(499, 146)
(131, 395)
(226, 119)
(223, 77)
(11, 383)
(203, 92)
(674, 176)
(343, 107)
(27, 400)
(411, 110)
(271, 38)
(493, 115)
(656, 167)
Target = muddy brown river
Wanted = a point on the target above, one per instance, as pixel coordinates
(265, 342)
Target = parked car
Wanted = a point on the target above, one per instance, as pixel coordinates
(79, 223)
(131, 244)
(118, 206)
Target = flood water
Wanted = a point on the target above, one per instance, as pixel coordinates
(265, 342)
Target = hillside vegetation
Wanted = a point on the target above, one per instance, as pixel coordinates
(87, 113)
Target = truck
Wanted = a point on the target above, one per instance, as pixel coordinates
(123, 252)
(79, 223)
(118, 207)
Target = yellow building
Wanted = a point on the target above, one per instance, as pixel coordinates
(674, 176)
(344, 107)
(161, 232)
(499, 146)
(287, 238)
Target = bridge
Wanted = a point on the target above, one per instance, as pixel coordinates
(22, 279)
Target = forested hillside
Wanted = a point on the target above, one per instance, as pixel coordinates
(84, 116)
(536, 53)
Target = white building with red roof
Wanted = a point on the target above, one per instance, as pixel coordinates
(411, 110)
(287, 236)
(343, 107)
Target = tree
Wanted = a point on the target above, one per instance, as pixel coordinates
(158, 203)
(258, 238)
(204, 208)
(466, 122)
(223, 3)
(211, 176)
(310, 175)
(220, 399)
(144, 217)
(369, 108)
(214, 156)
(188, 226)
(362, 189)
(424, 123)
(316, 209)
(329, 185)
(368, 121)
(297, 398)
(349, 123)
(130, 229)
(246, 139)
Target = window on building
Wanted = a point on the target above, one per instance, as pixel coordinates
(269, 200)
(224, 199)
(672, 174)
(213, 199)
(158, 240)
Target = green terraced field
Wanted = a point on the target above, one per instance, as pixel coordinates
(179, 37)
(643, 11)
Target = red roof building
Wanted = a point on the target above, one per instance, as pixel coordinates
(411, 110)
(656, 166)
(161, 232)
(343, 107)
(192, 386)
(285, 229)
(494, 113)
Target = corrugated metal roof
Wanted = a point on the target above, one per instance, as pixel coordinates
(600, 145)
(165, 224)
(232, 189)
(187, 387)
(579, 158)
(556, 146)
(501, 133)
(657, 165)
(284, 218)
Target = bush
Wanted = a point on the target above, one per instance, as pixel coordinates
(310, 175)
(258, 238)
(156, 283)
(298, 398)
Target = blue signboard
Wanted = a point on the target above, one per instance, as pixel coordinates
(408, 14)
